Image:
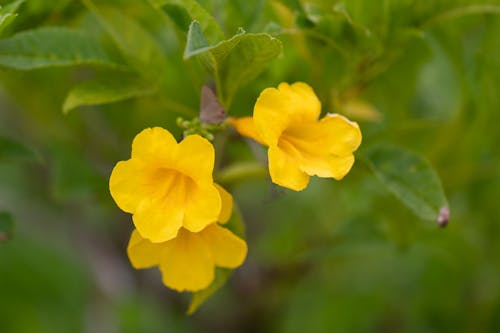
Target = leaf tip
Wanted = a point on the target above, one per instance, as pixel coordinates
(67, 107)
(196, 40)
(443, 217)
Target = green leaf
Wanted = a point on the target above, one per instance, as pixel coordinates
(236, 225)
(196, 41)
(10, 149)
(136, 44)
(411, 179)
(232, 62)
(6, 226)
(237, 172)
(46, 47)
(106, 90)
(459, 12)
(8, 14)
(200, 297)
(183, 12)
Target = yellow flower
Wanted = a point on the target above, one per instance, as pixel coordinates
(187, 262)
(167, 185)
(286, 120)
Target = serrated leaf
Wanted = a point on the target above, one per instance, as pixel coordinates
(135, 43)
(8, 14)
(411, 179)
(47, 47)
(10, 149)
(183, 12)
(232, 62)
(106, 90)
(236, 225)
(6, 226)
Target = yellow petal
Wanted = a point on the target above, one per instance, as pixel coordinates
(158, 219)
(154, 144)
(227, 249)
(142, 253)
(328, 166)
(195, 158)
(342, 136)
(246, 127)
(340, 166)
(275, 109)
(202, 207)
(187, 263)
(226, 204)
(285, 170)
(127, 184)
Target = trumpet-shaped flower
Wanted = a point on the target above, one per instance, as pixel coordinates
(286, 120)
(188, 262)
(167, 185)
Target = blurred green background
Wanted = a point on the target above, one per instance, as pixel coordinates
(342, 256)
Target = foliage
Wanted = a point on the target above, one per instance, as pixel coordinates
(79, 79)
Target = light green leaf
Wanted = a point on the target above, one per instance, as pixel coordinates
(232, 62)
(8, 14)
(6, 226)
(136, 44)
(46, 47)
(411, 179)
(236, 225)
(196, 41)
(237, 172)
(183, 12)
(10, 149)
(106, 90)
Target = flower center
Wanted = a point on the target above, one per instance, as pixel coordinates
(168, 183)
(299, 142)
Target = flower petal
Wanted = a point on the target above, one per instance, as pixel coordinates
(154, 144)
(195, 158)
(328, 166)
(227, 249)
(127, 184)
(275, 109)
(159, 219)
(246, 127)
(226, 204)
(142, 253)
(341, 135)
(202, 208)
(187, 263)
(340, 165)
(285, 170)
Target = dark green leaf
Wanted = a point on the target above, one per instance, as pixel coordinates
(6, 226)
(46, 47)
(232, 62)
(182, 10)
(200, 297)
(105, 90)
(10, 149)
(136, 44)
(411, 179)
